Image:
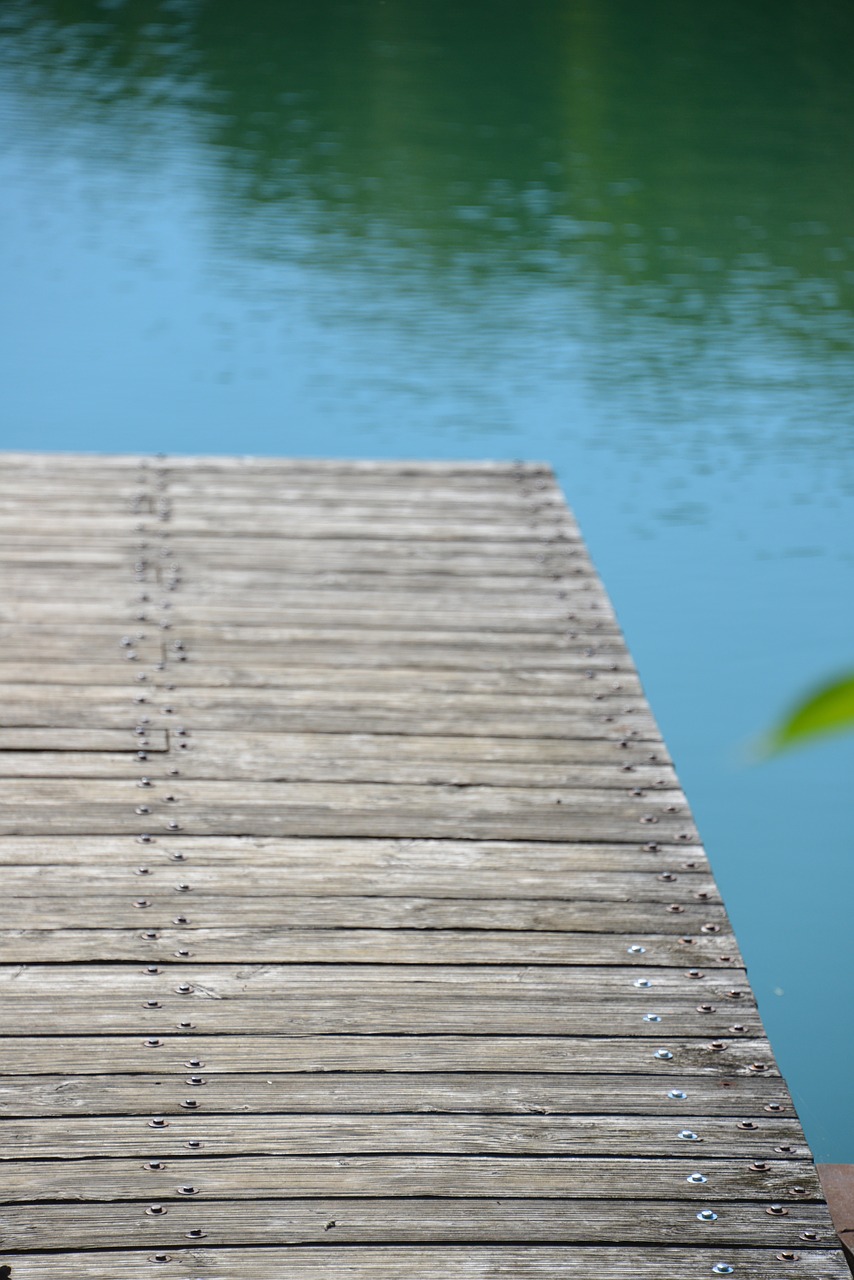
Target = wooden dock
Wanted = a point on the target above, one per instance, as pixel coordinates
(355, 924)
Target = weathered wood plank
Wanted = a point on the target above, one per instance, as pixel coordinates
(357, 1012)
(425, 1262)
(484, 1093)
(407, 1220)
(72, 1137)
(26, 742)
(215, 759)
(203, 807)
(290, 878)
(463, 1177)
(623, 923)
(409, 862)
(443, 981)
(419, 1054)
(277, 945)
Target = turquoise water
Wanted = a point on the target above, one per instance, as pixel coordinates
(616, 237)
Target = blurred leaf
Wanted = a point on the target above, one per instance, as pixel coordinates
(829, 709)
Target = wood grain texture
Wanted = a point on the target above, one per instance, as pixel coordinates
(430, 1262)
(353, 913)
(525, 1093)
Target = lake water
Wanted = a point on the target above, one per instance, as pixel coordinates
(617, 237)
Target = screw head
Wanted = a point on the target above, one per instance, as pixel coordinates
(158, 1122)
(155, 1210)
(678, 1095)
(645, 983)
(663, 1055)
(188, 1191)
(652, 1017)
(707, 1215)
(696, 1178)
(688, 1135)
(777, 1210)
(636, 951)
(722, 1269)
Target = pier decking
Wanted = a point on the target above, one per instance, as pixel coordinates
(354, 923)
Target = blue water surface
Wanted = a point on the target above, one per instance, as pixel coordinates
(614, 237)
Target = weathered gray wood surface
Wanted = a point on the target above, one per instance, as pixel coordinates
(354, 921)
(393, 1262)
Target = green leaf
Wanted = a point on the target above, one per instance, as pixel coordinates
(829, 709)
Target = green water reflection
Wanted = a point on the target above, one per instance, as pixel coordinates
(654, 155)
